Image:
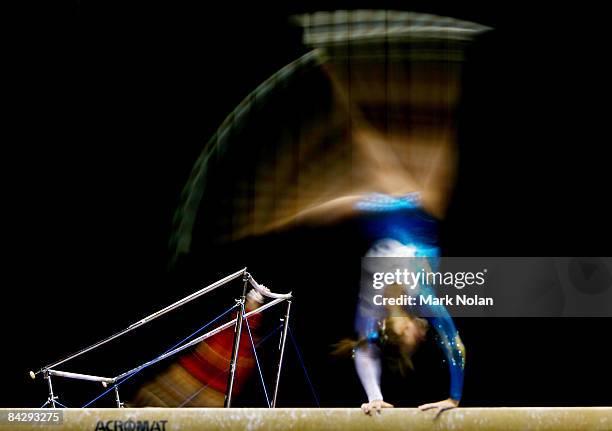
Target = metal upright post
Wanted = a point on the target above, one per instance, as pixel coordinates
(282, 352)
(237, 335)
(52, 397)
(117, 399)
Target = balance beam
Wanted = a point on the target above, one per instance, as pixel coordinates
(332, 419)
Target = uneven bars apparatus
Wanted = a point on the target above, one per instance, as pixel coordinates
(49, 370)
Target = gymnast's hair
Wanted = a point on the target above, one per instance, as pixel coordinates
(397, 353)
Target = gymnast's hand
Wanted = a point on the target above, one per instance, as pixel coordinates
(375, 406)
(440, 406)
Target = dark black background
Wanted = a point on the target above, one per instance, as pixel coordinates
(111, 112)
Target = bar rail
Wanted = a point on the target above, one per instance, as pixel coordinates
(141, 322)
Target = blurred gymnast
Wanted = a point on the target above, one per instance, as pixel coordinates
(401, 229)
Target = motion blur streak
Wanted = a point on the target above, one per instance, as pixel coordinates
(370, 109)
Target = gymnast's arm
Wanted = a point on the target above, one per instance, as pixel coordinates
(454, 351)
(367, 363)
(449, 341)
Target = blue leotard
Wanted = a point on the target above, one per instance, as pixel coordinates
(399, 227)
